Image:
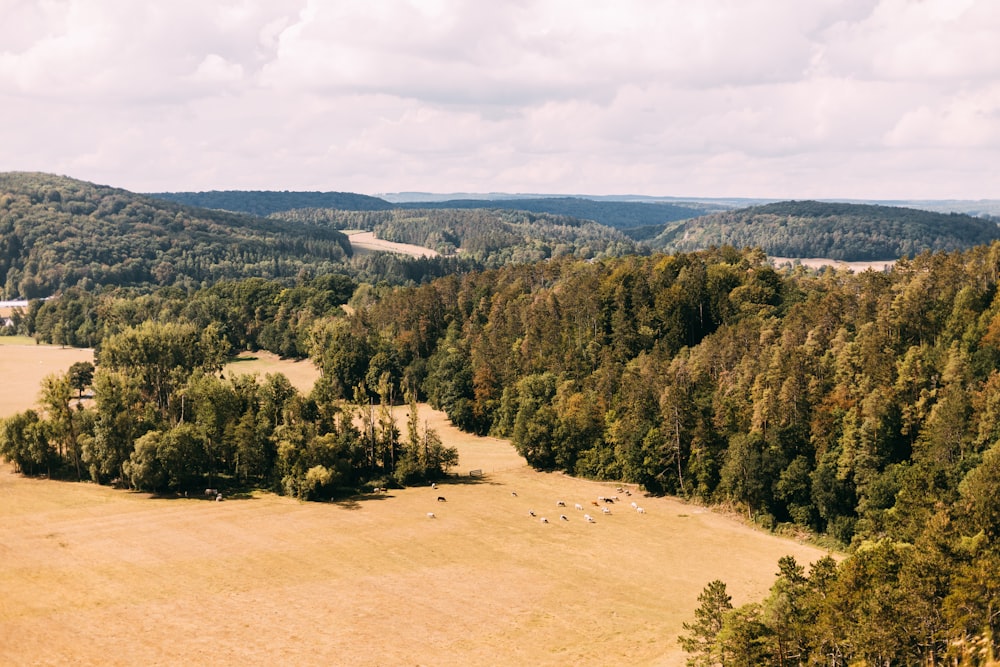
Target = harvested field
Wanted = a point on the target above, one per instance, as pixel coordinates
(92, 575)
(366, 242)
(302, 374)
(23, 365)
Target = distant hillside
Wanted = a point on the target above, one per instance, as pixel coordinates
(847, 232)
(616, 214)
(491, 237)
(57, 232)
(266, 202)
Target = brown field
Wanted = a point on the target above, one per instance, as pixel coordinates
(819, 263)
(363, 242)
(91, 575)
(302, 374)
(23, 365)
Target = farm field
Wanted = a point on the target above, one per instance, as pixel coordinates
(93, 575)
(23, 365)
(363, 242)
(302, 374)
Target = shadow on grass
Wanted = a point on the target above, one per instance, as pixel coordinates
(356, 501)
(239, 360)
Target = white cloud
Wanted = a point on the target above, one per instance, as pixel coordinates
(717, 97)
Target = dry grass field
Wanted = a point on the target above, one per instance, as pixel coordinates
(23, 365)
(363, 242)
(302, 374)
(95, 576)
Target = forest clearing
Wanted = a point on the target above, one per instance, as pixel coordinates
(94, 575)
(363, 242)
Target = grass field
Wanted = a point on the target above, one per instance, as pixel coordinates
(302, 374)
(92, 575)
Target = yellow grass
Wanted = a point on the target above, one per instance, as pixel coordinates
(363, 242)
(302, 374)
(94, 576)
(23, 365)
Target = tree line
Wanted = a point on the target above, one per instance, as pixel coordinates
(164, 419)
(488, 237)
(846, 232)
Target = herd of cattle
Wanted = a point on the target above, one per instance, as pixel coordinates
(603, 503)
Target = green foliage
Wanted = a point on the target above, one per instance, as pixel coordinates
(81, 374)
(710, 617)
(848, 232)
(264, 203)
(57, 233)
(616, 214)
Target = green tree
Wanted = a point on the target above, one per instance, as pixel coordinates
(118, 421)
(702, 634)
(81, 374)
(24, 442)
(56, 397)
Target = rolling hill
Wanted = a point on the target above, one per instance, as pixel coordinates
(265, 202)
(847, 232)
(57, 232)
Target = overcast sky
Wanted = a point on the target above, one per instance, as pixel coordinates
(868, 99)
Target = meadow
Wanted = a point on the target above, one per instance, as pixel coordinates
(94, 575)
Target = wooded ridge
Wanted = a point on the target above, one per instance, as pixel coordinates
(846, 232)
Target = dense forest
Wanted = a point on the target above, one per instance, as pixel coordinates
(616, 214)
(847, 232)
(56, 233)
(620, 215)
(264, 203)
(488, 237)
(164, 418)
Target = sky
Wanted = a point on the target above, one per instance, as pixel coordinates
(865, 99)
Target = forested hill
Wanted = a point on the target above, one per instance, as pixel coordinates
(619, 215)
(489, 237)
(57, 232)
(616, 214)
(847, 232)
(266, 202)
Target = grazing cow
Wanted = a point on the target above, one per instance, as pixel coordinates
(514, 493)
(430, 515)
(627, 492)
(620, 490)
(531, 512)
(589, 518)
(564, 517)
(634, 504)
(606, 510)
(610, 501)
(434, 485)
(560, 503)
(441, 499)
(579, 506)
(595, 503)
(544, 520)
(211, 492)
(640, 510)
